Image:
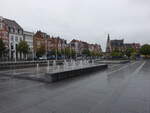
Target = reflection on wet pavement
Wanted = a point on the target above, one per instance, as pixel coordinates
(119, 89)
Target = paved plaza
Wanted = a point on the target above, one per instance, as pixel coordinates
(122, 88)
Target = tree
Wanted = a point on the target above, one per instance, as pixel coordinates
(59, 52)
(67, 52)
(116, 53)
(23, 47)
(53, 52)
(40, 51)
(129, 52)
(145, 50)
(98, 54)
(86, 52)
(63, 51)
(2, 47)
(73, 53)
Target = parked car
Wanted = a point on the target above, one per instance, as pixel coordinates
(43, 58)
(51, 57)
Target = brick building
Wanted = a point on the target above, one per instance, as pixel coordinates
(79, 46)
(49, 43)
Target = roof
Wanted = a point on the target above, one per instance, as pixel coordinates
(28, 33)
(41, 34)
(117, 42)
(12, 23)
(132, 44)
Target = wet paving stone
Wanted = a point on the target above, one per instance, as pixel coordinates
(121, 89)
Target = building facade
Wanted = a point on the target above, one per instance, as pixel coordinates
(76, 46)
(12, 34)
(95, 48)
(79, 46)
(119, 45)
(28, 37)
(4, 36)
(48, 43)
(135, 46)
(40, 41)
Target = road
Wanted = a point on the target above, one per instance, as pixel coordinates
(119, 89)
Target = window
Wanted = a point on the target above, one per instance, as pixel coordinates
(11, 30)
(18, 31)
(12, 38)
(16, 46)
(12, 47)
(1, 26)
(21, 39)
(16, 39)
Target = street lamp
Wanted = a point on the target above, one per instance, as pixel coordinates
(56, 47)
(70, 51)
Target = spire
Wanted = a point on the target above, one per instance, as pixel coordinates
(108, 38)
(108, 44)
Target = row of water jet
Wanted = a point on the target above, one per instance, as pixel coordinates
(67, 65)
(37, 68)
(76, 64)
(48, 66)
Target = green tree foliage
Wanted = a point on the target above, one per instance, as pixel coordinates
(40, 51)
(130, 51)
(2, 47)
(98, 54)
(53, 52)
(69, 52)
(117, 53)
(86, 52)
(63, 51)
(73, 53)
(145, 50)
(59, 52)
(23, 47)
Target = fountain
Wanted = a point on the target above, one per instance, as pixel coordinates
(54, 62)
(81, 63)
(37, 68)
(65, 64)
(92, 62)
(73, 64)
(58, 68)
(87, 62)
(48, 66)
(14, 71)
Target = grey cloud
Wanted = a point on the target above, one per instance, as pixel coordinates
(88, 20)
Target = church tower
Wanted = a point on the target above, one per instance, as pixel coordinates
(108, 46)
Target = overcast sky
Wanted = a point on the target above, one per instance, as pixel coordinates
(87, 20)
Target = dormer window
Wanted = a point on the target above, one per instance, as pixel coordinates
(12, 30)
(9, 29)
(1, 26)
(18, 31)
(12, 38)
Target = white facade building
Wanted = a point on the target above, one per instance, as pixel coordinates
(28, 37)
(14, 40)
(15, 35)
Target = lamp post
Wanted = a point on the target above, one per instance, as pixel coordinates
(70, 51)
(56, 47)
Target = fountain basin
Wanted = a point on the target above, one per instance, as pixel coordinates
(57, 76)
